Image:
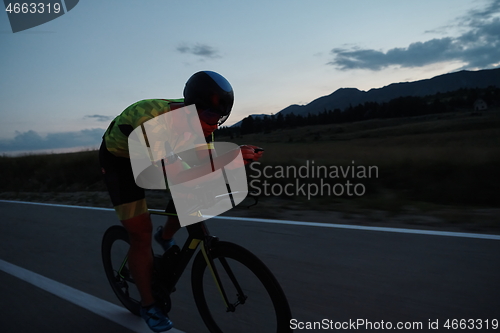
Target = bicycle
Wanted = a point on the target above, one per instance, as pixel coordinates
(235, 281)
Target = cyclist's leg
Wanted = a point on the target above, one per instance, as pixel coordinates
(140, 263)
(130, 205)
(172, 224)
(140, 258)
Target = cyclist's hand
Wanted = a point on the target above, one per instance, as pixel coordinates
(251, 153)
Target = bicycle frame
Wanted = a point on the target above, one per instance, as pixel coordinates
(198, 234)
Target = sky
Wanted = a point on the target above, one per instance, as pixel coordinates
(62, 82)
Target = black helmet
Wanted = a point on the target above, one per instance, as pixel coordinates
(210, 91)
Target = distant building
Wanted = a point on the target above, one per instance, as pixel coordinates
(480, 105)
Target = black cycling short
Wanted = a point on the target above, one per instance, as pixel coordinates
(128, 199)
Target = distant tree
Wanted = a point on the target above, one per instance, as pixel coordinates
(247, 125)
(280, 121)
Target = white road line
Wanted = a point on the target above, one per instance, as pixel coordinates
(94, 304)
(360, 227)
(309, 224)
(56, 205)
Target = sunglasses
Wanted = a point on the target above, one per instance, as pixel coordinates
(209, 117)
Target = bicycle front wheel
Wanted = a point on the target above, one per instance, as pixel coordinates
(257, 302)
(114, 251)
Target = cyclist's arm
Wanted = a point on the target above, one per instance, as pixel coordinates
(210, 163)
(177, 175)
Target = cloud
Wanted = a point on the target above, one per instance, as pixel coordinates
(477, 16)
(478, 47)
(99, 117)
(31, 140)
(200, 50)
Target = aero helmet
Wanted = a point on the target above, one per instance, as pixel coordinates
(210, 92)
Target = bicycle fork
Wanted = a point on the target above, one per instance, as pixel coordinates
(206, 246)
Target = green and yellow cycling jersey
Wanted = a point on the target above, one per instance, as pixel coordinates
(116, 136)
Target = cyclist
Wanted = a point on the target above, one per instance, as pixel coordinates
(213, 96)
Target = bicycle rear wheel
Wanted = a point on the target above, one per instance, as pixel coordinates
(114, 251)
(256, 297)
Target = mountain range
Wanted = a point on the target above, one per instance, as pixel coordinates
(344, 97)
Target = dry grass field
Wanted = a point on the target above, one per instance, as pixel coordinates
(447, 159)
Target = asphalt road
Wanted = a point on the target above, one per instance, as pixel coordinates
(336, 274)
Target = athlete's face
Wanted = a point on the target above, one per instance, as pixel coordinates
(208, 122)
(206, 128)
